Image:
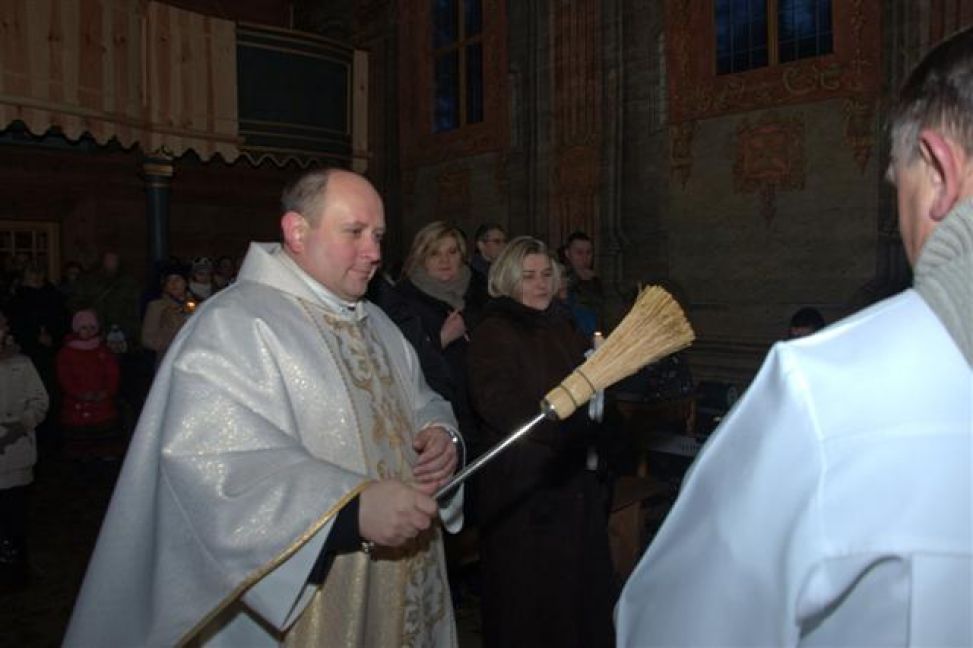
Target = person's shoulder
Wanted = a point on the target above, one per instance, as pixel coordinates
(877, 369)
(378, 315)
(16, 361)
(155, 304)
(244, 302)
(498, 318)
(413, 294)
(404, 286)
(248, 295)
(894, 326)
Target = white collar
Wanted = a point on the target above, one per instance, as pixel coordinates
(355, 310)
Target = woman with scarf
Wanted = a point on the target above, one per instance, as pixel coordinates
(439, 287)
(87, 372)
(441, 290)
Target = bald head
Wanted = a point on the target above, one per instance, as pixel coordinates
(334, 235)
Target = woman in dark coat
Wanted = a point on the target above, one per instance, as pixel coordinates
(440, 290)
(543, 528)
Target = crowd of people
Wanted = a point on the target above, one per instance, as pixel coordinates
(304, 503)
(415, 388)
(83, 351)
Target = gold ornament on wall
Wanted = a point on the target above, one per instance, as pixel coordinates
(453, 192)
(681, 150)
(769, 158)
(860, 129)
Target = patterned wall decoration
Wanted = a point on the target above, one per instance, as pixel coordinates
(681, 150)
(576, 119)
(769, 158)
(452, 193)
(860, 129)
(852, 70)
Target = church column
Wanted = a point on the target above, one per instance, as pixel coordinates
(157, 171)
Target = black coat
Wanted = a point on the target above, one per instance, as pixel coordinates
(30, 310)
(543, 532)
(431, 360)
(411, 304)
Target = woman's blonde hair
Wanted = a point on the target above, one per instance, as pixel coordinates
(507, 271)
(426, 240)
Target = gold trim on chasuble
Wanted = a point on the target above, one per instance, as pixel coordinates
(270, 566)
(394, 597)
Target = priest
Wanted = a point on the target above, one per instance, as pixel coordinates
(278, 488)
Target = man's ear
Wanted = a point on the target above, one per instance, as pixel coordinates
(944, 167)
(293, 228)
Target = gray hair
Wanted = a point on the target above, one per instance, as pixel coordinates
(306, 195)
(938, 94)
(507, 271)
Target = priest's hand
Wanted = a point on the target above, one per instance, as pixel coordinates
(437, 456)
(391, 513)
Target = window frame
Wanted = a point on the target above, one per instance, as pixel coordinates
(50, 229)
(419, 142)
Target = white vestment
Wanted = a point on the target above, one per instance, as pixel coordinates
(833, 505)
(274, 407)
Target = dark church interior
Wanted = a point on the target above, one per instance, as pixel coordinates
(733, 152)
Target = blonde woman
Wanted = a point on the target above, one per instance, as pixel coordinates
(543, 529)
(439, 287)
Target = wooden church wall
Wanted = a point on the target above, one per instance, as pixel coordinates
(96, 199)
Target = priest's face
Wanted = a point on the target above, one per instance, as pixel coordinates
(343, 250)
